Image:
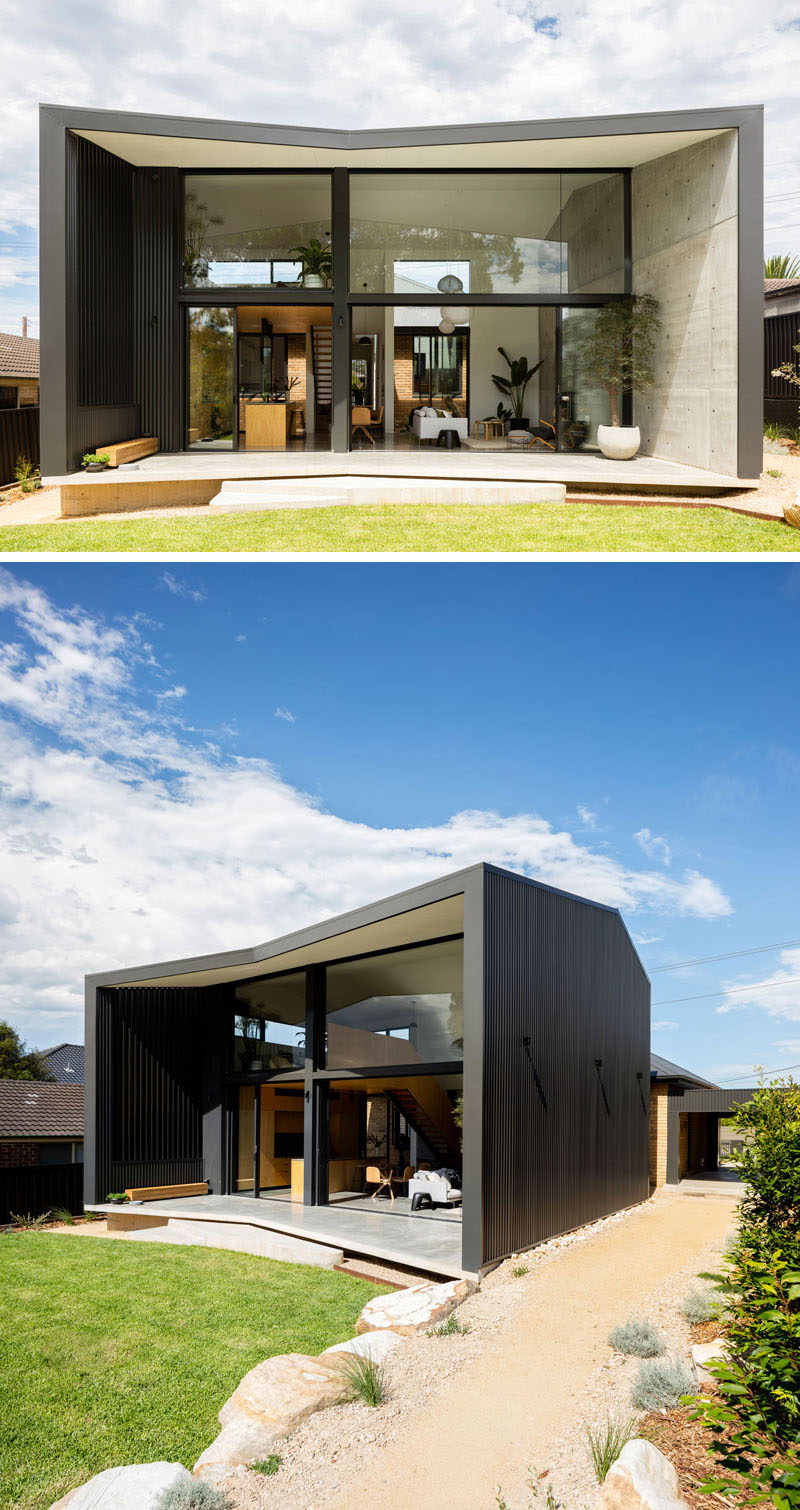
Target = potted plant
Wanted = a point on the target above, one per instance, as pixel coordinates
(316, 260)
(618, 355)
(514, 386)
(94, 462)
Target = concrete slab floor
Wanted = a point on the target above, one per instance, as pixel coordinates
(434, 1247)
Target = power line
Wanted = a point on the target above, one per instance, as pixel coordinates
(778, 1071)
(731, 991)
(712, 959)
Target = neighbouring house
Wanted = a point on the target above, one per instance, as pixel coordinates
(226, 286)
(65, 1063)
(685, 1115)
(781, 336)
(19, 371)
(41, 1122)
(483, 1024)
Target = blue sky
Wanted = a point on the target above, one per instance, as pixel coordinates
(354, 64)
(194, 757)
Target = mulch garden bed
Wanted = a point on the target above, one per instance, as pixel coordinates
(686, 1442)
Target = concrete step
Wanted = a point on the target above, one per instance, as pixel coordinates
(244, 494)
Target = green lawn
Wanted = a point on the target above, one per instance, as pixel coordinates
(114, 1352)
(528, 527)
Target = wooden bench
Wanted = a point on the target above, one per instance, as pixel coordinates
(165, 1192)
(129, 450)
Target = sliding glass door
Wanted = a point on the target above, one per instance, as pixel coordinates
(210, 339)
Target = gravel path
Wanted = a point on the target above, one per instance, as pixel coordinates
(465, 1415)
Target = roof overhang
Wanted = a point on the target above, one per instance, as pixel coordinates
(625, 141)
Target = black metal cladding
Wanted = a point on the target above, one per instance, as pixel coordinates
(566, 1038)
(19, 436)
(781, 335)
(158, 337)
(149, 1087)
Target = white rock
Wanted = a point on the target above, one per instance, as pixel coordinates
(704, 1353)
(641, 1479)
(268, 1404)
(374, 1345)
(136, 1487)
(415, 1309)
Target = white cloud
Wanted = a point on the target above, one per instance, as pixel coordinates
(286, 714)
(587, 817)
(777, 994)
(125, 836)
(663, 1027)
(181, 589)
(240, 638)
(172, 693)
(654, 847)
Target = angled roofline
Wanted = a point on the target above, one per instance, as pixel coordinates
(427, 893)
(715, 118)
(667, 1070)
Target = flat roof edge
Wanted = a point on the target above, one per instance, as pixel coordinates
(139, 123)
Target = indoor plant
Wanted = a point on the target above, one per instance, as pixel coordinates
(316, 260)
(617, 355)
(514, 386)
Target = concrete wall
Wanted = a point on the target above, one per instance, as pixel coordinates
(685, 252)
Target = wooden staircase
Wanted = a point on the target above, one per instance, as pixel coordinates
(441, 1139)
(322, 354)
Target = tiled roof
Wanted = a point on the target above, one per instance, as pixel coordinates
(19, 356)
(40, 1109)
(65, 1063)
(664, 1069)
(775, 286)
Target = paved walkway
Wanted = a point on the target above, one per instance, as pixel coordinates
(487, 1424)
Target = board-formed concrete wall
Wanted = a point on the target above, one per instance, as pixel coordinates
(685, 252)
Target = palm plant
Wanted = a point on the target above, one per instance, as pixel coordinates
(782, 265)
(315, 257)
(514, 386)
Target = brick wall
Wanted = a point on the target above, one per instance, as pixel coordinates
(17, 1155)
(405, 399)
(659, 1101)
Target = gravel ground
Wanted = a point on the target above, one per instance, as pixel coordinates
(318, 1457)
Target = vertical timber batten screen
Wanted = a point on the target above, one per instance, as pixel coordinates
(149, 1087)
(565, 1139)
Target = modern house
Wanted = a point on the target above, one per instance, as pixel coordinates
(484, 1024)
(685, 1115)
(227, 287)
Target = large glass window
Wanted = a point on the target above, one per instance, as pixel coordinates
(269, 1025)
(454, 233)
(406, 1007)
(583, 405)
(439, 365)
(210, 385)
(257, 230)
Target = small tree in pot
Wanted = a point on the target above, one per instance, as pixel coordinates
(618, 355)
(514, 386)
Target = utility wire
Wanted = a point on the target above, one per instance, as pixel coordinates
(732, 991)
(778, 1071)
(712, 959)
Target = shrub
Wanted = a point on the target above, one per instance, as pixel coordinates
(769, 1162)
(24, 1222)
(700, 1305)
(451, 1327)
(607, 1442)
(366, 1380)
(27, 475)
(63, 1214)
(660, 1383)
(194, 1496)
(266, 1466)
(638, 1338)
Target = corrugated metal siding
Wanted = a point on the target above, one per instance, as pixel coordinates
(564, 1141)
(19, 436)
(100, 330)
(38, 1188)
(149, 1087)
(781, 335)
(157, 347)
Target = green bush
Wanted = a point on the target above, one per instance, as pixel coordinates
(700, 1305)
(194, 1496)
(660, 1383)
(754, 1416)
(637, 1338)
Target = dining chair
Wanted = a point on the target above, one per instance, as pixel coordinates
(360, 421)
(381, 1181)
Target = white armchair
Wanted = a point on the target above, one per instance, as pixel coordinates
(429, 1188)
(427, 424)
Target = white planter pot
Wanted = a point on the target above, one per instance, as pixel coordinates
(618, 442)
(313, 280)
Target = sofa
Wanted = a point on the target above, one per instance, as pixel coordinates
(426, 424)
(433, 1187)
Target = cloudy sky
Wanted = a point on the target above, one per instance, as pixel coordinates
(195, 758)
(352, 63)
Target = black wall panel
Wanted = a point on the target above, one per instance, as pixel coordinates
(157, 333)
(149, 1087)
(565, 1138)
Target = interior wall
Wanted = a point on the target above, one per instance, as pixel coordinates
(518, 331)
(685, 252)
